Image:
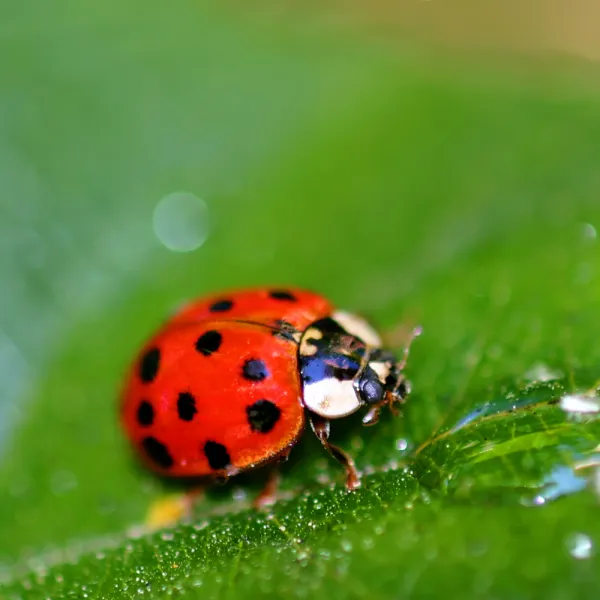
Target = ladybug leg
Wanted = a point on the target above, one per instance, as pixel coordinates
(190, 499)
(268, 495)
(372, 416)
(321, 427)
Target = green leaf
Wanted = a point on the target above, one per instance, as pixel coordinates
(412, 188)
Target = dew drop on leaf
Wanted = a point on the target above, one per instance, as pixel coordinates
(588, 232)
(561, 481)
(540, 372)
(580, 546)
(239, 494)
(180, 221)
(401, 444)
(368, 543)
(580, 403)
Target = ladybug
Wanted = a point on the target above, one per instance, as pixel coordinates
(228, 383)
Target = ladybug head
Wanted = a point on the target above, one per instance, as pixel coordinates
(344, 368)
(381, 382)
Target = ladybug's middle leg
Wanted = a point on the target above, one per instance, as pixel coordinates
(321, 427)
(268, 495)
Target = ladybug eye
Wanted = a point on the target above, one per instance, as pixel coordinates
(370, 388)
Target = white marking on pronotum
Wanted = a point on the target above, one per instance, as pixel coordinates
(358, 327)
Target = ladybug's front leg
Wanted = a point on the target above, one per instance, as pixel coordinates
(321, 427)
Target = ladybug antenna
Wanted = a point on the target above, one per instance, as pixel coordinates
(416, 332)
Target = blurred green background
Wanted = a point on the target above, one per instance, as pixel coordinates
(149, 154)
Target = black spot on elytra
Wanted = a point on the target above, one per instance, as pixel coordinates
(209, 342)
(262, 416)
(282, 295)
(217, 455)
(255, 370)
(221, 306)
(149, 365)
(145, 414)
(157, 452)
(186, 406)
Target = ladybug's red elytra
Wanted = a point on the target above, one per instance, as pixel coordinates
(228, 382)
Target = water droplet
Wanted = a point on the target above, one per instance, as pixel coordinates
(588, 232)
(580, 403)
(368, 543)
(167, 536)
(181, 221)
(540, 372)
(561, 481)
(401, 444)
(323, 478)
(240, 494)
(580, 546)
(346, 545)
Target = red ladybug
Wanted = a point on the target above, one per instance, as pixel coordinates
(228, 383)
